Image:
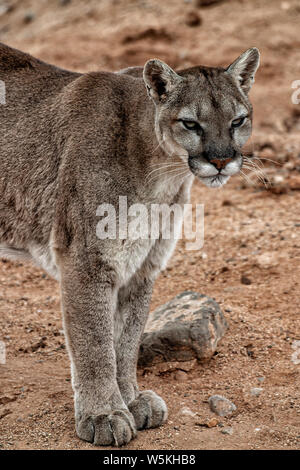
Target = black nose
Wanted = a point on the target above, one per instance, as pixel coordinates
(218, 156)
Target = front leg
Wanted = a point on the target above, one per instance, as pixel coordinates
(89, 300)
(148, 409)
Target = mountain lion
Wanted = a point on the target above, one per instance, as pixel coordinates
(71, 141)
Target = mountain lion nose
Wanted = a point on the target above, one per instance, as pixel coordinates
(220, 164)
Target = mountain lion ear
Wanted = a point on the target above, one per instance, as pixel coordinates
(160, 79)
(243, 69)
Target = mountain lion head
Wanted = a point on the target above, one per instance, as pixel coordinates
(203, 114)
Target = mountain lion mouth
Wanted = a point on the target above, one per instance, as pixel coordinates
(214, 181)
(212, 176)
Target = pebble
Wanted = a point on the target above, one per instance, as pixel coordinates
(28, 17)
(193, 19)
(181, 376)
(267, 152)
(187, 412)
(221, 405)
(246, 281)
(266, 260)
(227, 430)
(261, 379)
(256, 391)
(211, 423)
(207, 3)
(5, 9)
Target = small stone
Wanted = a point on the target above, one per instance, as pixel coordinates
(278, 179)
(221, 405)
(5, 8)
(193, 19)
(187, 412)
(294, 182)
(181, 376)
(28, 17)
(285, 6)
(245, 280)
(266, 260)
(212, 423)
(256, 391)
(227, 430)
(207, 3)
(261, 379)
(267, 152)
(207, 423)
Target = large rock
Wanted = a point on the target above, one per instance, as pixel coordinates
(187, 327)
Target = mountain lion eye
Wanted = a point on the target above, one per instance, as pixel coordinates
(238, 122)
(190, 125)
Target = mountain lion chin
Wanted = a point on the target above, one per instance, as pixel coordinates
(214, 181)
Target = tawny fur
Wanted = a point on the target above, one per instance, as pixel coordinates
(70, 142)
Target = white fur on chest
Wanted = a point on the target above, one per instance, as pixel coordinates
(133, 253)
(131, 256)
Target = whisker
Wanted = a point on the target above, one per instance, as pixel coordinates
(160, 171)
(177, 172)
(267, 159)
(255, 168)
(164, 164)
(246, 178)
(261, 176)
(254, 165)
(184, 175)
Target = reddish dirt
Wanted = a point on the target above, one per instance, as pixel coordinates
(250, 231)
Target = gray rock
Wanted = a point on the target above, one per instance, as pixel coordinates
(221, 405)
(187, 327)
(227, 430)
(256, 391)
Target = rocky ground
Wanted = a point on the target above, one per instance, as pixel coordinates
(250, 259)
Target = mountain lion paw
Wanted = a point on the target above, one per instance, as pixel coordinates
(116, 428)
(149, 410)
